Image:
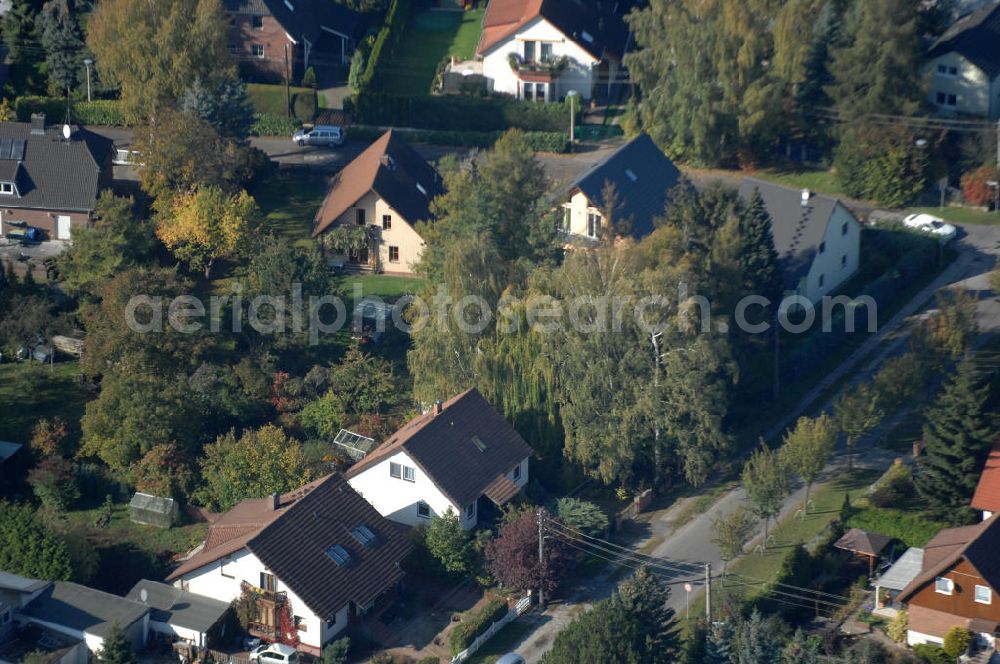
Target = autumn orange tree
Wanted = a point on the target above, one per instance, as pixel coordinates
(207, 224)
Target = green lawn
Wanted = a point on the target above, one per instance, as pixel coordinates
(385, 286)
(270, 99)
(821, 181)
(501, 644)
(30, 391)
(289, 202)
(429, 38)
(827, 501)
(961, 215)
(131, 551)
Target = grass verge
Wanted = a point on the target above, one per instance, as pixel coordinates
(502, 643)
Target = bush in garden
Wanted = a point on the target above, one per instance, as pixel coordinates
(898, 627)
(975, 189)
(895, 487)
(464, 633)
(956, 642)
(274, 125)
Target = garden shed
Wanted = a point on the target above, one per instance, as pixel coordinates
(153, 510)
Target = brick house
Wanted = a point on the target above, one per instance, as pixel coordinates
(48, 181)
(959, 577)
(315, 32)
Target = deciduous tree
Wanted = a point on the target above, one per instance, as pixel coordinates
(49, 438)
(732, 532)
(163, 471)
(255, 464)
(513, 557)
(856, 413)
(207, 225)
(807, 449)
(449, 542)
(54, 482)
(765, 480)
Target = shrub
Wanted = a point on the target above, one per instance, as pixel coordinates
(974, 187)
(882, 164)
(543, 141)
(931, 653)
(464, 633)
(274, 125)
(336, 652)
(582, 515)
(898, 626)
(895, 487)
(547, 141)
(309, 78)
(900, 381)
(459, 113)
(54, 483)
(104, 112)
(304, 106)
(956, 642)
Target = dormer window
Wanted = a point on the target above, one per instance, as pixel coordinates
(8, 188)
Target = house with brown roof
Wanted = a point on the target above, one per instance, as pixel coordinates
(460, 455)
(386, 190)
(986, 499)
(540, 50)
(957, 585)
(270, 37)
(320, 553)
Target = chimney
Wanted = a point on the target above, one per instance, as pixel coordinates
(38, 124)
(274, 501)
(438, 407)
(806, 195)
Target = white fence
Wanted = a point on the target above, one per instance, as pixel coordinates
(522, 605)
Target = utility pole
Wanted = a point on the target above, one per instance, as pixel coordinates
(708, 592)
(541, 558)
(288, 90)
(998, 145)
(88, 62)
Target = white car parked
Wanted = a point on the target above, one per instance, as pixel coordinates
(928, 223)
(272, 653)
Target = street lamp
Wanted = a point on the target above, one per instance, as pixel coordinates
(995, 186)
(571, 98)
(88, 62)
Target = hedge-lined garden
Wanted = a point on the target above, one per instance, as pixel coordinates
(271, 100)
(540, 141)
(458, 113)
(103, 112)
(467, 631)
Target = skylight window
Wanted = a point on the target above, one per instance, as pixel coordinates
(421, 189)
(339, 555)
(480, 445)
(291, 7)
(587, 37)
(631, 174)
(364, 536)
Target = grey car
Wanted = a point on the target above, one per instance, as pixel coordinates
(319, 135)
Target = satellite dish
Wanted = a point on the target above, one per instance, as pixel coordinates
(143, 595)
(67, 132)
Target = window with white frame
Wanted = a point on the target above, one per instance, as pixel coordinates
(593, 224)
(567, 219)
(984, 595)
(6, 187)
(470, 511)
(409, 474)
(257, 50)
(516, 473)
(395, 470)
(944, 585)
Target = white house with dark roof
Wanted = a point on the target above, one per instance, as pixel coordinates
(539, 50)
(964, 65)
(460, 455)
(817, 238)
(640, 177)
(320, 553)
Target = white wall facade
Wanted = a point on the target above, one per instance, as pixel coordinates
(398, 499)
(914, 638)
(221, 580)
(401, 234)
(839, 259)
(579, 74)
(136, 632)
(955, 79)
(579, 210)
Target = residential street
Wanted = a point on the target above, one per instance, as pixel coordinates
(978, 248)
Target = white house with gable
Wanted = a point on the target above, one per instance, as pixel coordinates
(963, 65)
(539, 50)
(319, 554)
(460, 455)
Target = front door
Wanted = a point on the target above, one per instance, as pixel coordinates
(62, 227)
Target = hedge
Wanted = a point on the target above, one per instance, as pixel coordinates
(104, 112)
(273, 125)
(395, 18)
(458, 113)
(463, 634)
(540, 141)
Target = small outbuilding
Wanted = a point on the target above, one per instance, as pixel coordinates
(181, 615)
(153, 510)
(863, 544)
(903, 571)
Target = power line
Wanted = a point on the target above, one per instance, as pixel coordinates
(633, 559)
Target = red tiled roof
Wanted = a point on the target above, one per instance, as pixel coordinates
(595, 25)
(987, 496)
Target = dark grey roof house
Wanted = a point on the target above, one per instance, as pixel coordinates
(964, 64)
(47, 180)
(817, 238)
(86, 613)
(641, 177)
(179, 613)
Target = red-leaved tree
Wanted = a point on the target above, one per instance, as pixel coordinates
(975, 188)
(513, 556)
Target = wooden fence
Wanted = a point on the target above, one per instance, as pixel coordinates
(522, 605)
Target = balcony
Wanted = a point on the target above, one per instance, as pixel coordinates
(544, 70)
